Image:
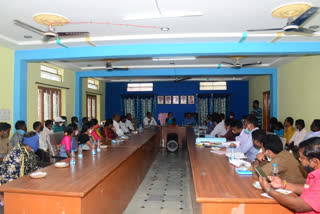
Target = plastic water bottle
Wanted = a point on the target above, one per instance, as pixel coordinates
(73, 158)
(80, 154)
(275, 170)
(93, 150)
(232, 156)
(98, 146)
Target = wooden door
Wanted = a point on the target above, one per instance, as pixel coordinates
(266, 110)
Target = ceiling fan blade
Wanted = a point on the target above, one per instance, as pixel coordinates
(228, 63)
(304, 30)
(65, 34)
(120, 69)
(267, 29)
(305, 16)
(47, 38)
(183, 79)
(28, 27)
(254, 63)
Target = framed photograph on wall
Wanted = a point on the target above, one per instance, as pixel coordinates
(168, 99)
(183, 99)
(190, 99)
(160, 100)
(175, 99)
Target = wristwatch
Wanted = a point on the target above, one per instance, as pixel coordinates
(268, 190)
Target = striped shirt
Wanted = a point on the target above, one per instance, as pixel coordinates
(258, 113)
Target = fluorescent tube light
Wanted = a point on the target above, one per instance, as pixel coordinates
(173, 58)
(163, 15)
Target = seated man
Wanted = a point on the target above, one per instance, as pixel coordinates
(309, 193)
(315, 129)
(149, 120)
(219, 128)
(21, 160)
(116, 125)
(209, 124)
(122, 124)
(170, 121)
(58, 125)
(129, 124)
(299, 135)
(74, 120)
(189, 120)
(246, 144)
(229, 135)
(21, 129)
(279, 129)
(44, 135)
(43, 155)
(288, 167)
(289, 130)
(5, 146)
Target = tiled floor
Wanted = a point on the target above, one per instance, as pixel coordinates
(166, 187)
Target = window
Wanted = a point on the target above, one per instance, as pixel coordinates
(91, 106)
(49, 103)
(50, 73)
(213, 86)
(93, 84)
(140, 87)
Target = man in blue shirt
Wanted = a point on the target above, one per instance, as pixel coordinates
(257, 112)
(189, 120)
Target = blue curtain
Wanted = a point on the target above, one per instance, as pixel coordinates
(209, 103)
(138, 106)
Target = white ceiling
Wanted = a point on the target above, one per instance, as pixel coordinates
(222, 21)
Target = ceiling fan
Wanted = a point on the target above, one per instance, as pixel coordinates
(110, 68)
(239, 65)
(182, 79)
(295, 25)
(50, 34)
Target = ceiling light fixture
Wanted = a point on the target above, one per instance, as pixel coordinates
(163, 15)
(173, 58)
(164, 29)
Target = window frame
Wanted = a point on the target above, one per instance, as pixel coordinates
(87, 110)
(56, 73)
(51, 98)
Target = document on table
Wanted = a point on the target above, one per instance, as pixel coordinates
(283, 191)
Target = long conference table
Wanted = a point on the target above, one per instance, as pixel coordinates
(107, 182)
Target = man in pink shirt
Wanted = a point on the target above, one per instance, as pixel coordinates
(309, 200)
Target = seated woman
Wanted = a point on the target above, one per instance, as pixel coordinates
(279, 129)
(170, 121)
(21, 160)
(67, 143)
(289, 168)
(95, 132)
(85, 137)
(108, 131)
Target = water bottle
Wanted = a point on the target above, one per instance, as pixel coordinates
(93, 150)
(275, 170)
(232, 156)
(80, 154)
(73, 158)
(98, 146)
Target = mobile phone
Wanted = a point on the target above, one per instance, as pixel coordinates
(261, 173)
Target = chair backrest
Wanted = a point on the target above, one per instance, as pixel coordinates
(53, 141)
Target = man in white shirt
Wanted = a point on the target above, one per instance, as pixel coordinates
(315, 129)
(116, 125)
(219, 128)
(123, 124)
(129, 123)
(149, 120)
(300, 134)
(44, 135)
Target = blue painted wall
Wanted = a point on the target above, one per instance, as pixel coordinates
(238, 90)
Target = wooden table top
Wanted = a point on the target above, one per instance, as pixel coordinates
(215, 179)
(88, 172)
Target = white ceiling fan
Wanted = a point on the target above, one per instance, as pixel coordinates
(237, 64)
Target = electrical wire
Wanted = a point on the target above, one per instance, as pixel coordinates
(157, 5)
